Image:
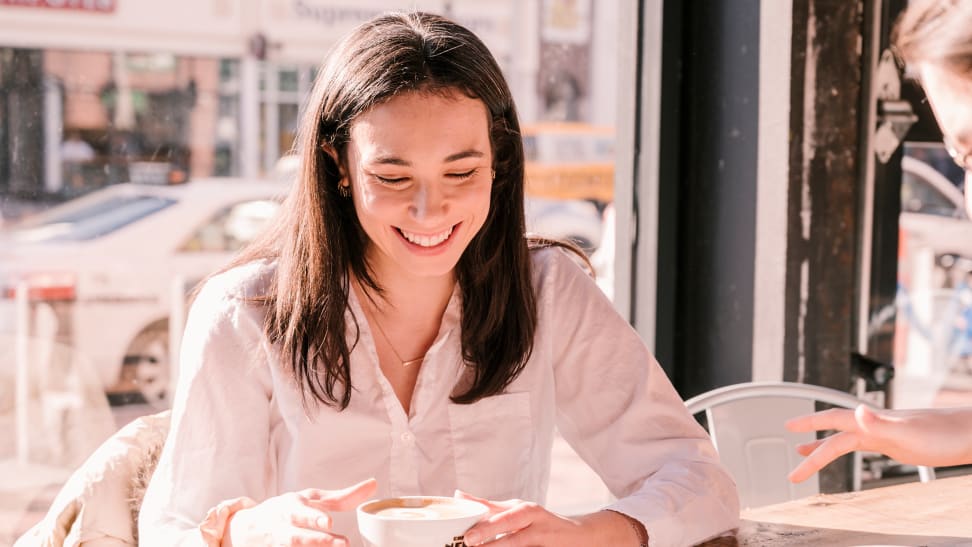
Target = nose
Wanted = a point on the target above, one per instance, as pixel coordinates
(428, 202)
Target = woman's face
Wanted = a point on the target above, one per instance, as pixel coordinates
(420, 167)
(950, 96)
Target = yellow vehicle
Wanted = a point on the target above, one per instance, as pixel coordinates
(569, 161)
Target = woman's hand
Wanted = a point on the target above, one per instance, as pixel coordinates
(932, 437)
(517, 523)
(296, 518)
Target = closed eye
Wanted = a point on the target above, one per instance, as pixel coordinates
(464, 175)
(390, 180)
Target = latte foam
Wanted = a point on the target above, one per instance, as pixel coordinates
(417, 509)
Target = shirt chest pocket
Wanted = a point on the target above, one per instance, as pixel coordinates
(493, 441)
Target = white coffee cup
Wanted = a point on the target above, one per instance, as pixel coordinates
(417, 521)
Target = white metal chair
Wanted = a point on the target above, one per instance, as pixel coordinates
(746, 421)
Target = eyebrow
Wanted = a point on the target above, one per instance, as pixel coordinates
(394, 160)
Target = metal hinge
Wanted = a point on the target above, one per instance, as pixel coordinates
(894, 115)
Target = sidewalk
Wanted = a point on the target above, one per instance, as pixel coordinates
(55, 449)
(26, 492)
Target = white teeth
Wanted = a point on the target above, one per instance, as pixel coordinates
(426, 241)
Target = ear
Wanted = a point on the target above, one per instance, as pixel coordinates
(331, 151)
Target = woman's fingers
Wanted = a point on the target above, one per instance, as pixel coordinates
(523, 538)
(515, 518)
(825, 452)
(505, 523)
(310, 538)
(284, 520)
(309, 518)
(467, 496)
(494, 506)
(339, 500)
(298, 518)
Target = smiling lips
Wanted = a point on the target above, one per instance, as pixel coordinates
(427, 241)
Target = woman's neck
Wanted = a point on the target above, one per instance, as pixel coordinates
(412, 298)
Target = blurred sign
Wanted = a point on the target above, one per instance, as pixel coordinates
(100, 6)
(307, 28)
(569, 161)
(182, 27)
(566, 21)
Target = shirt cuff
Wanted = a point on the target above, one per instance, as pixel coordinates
(669, 528)
(213, 527)
(637, 526)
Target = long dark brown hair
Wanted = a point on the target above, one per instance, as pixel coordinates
(938, 32)
(318, 241)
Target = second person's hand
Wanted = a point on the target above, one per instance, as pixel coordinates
(932, 437)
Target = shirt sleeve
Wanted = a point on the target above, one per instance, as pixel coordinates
(218, 445)
(619, 411)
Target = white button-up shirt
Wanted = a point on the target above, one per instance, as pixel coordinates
(238, 427)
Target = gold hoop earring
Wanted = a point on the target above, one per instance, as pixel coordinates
(344, 190)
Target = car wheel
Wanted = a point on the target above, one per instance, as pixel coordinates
(148, 366)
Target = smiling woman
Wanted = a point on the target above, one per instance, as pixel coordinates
(397, 331)
(419, 199)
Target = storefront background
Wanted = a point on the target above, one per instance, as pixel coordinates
(152, 92)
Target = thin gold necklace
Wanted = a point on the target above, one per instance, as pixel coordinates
(392, 347)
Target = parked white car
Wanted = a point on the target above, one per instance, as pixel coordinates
(106, 263)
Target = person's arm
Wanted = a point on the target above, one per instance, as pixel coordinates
(932, 437)
(214, 481)
(621, 414)
(218, 445)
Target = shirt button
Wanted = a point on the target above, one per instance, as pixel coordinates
(408, 438)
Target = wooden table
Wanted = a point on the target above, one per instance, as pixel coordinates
(934, 513)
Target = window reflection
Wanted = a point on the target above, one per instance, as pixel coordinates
(232, 228)
(92, 219)
(933, 308)
(283, 93)
(81, 120)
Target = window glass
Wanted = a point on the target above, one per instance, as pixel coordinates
(78, 120)
(932, 313)
(288, 80)
(287, 116)
(97, 219)
(919, 195)
(232, 228)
